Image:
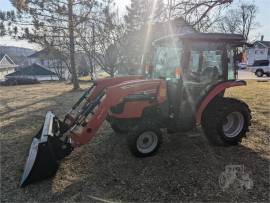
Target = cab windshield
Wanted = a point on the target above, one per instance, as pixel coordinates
(203, 62)
(167, 58)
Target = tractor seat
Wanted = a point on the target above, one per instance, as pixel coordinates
(210, 75)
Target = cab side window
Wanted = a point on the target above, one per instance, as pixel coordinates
(205, 65)
(194, 61)
(166, 60)
(212, 65)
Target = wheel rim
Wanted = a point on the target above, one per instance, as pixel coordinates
(259, 73)
(233, 124)
(147, 142)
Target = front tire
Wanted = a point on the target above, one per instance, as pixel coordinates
(259, 73)
(144, 139)
(226, 121)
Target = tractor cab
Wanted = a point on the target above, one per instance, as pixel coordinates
(192, 64)
(199, 58)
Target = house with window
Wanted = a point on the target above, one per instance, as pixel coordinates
(258, 53)
(7, 65)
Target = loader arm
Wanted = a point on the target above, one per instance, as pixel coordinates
(91, 94)
(113, 96)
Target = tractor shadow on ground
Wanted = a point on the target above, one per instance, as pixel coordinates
(185, 169)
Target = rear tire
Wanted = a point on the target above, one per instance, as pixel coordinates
(144, 139)
(226, 121)
(259, 73)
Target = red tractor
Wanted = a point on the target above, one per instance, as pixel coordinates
(182, 88)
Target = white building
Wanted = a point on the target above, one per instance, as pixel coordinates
(258, 53)
(7, 65)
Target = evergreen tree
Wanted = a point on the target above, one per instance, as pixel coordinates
(140, 16)
(141, 12)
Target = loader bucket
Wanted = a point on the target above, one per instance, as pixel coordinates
(45, 152)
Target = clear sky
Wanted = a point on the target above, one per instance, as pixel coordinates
(263, 18)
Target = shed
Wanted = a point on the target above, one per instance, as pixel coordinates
(34, 71)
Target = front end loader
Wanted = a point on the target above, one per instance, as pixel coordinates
(182, 88)
(57, 139)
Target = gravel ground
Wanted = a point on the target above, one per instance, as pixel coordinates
(185, 169)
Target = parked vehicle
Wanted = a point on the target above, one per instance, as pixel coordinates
(261, 63)
(242, 66)
(19, 81)
(260, 71)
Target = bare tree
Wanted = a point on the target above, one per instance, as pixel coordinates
(71, 27)
(101, 40)
(201, 14)
(51, 23)
(230, 22)
(240, 20)
(248, 15)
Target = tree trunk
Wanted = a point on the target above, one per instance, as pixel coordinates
(112, 72)
(72, 46)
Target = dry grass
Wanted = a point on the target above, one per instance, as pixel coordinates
(185, 169)
(257, 96)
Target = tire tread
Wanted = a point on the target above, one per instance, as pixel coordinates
(142, 126)
(214, 115)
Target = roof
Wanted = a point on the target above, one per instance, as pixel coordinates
(39, 53)
(264, 43)
(206, 37)
(3, 55)
(47, 53)
(32, 70)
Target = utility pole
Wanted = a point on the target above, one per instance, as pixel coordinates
(72, 46)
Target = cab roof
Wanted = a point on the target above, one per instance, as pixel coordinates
(210, 37)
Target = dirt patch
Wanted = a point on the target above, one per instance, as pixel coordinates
(185, 169)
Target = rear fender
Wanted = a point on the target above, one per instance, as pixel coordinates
(217, 89)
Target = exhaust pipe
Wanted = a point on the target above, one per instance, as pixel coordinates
(46, 151)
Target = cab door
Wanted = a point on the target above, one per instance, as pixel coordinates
(167, 62)
(206, 65)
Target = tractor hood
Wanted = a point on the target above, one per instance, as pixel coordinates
(101, 84)
(155, 88)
